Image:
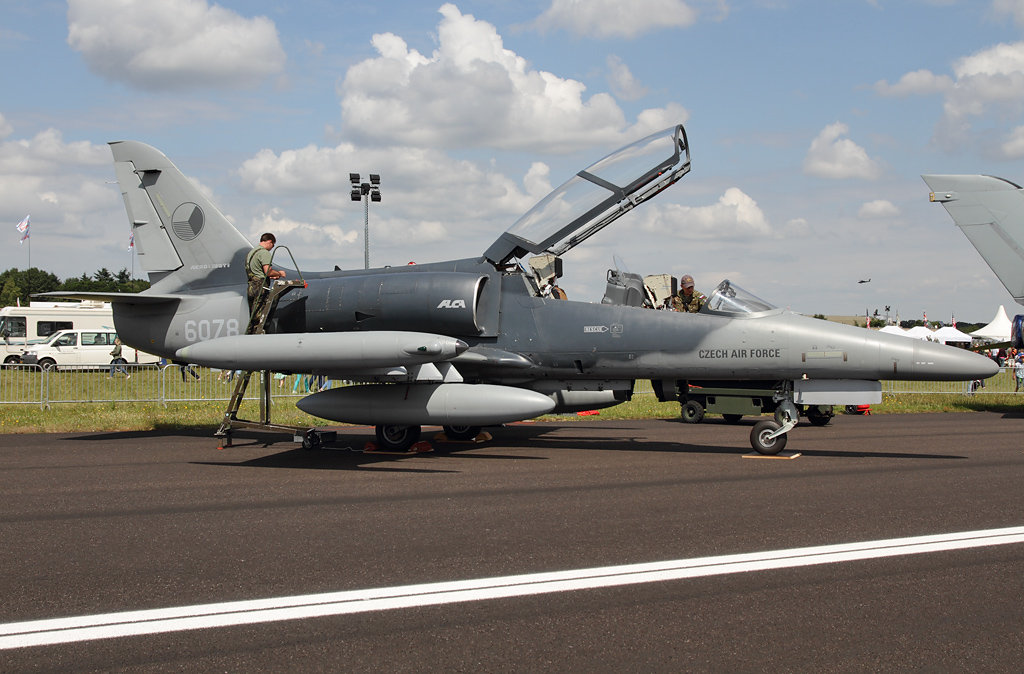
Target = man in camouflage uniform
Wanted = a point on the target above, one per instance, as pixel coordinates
(688, 299)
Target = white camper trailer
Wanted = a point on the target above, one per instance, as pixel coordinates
(20, 327)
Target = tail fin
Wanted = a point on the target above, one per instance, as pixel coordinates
(181, 239)
(990, 211)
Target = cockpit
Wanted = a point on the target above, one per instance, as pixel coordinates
(590, 201)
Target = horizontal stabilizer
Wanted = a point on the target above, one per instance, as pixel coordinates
(990, 212)
(322, 352)
(114, 298)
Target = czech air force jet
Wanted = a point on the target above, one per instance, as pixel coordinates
(483, 341)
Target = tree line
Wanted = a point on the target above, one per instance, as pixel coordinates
(17, 285)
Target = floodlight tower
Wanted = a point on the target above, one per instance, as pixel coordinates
(360, 192)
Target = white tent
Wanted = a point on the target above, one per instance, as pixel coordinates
(998, 330)
(894, 330)
(920, 332)
(950, 334)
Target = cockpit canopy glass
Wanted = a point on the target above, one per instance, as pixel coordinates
(729, 298)
(596, 196)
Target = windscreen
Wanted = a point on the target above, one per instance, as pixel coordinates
(729, 298)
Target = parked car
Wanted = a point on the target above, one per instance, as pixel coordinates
(81, 348)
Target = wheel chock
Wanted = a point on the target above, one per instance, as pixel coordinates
(780, 455)
(370, 447)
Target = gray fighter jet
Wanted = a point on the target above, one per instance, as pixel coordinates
(990, 212)
(483, 341)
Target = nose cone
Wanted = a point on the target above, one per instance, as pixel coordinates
(945, 363)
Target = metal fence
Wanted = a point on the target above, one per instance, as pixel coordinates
(31, 385)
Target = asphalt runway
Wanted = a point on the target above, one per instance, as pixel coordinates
(95, 524)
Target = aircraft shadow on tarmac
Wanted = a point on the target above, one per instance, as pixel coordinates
(336, 455)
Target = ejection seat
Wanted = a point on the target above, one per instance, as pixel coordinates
(624, 288)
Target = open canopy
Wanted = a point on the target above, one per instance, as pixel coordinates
(597, 196)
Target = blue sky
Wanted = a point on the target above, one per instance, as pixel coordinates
(810, 123)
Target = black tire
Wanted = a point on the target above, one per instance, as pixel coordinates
(393, 438)
(12, 360)
(760, 442)
(48, 364)
(461, 432)
(692, 412)
(853, 409)
(819, 418)
(312, 440)
(732, 418)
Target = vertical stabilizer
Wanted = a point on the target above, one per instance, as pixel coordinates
(990, 211)
(180, 236)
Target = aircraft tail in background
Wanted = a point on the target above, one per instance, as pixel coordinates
(990, 211)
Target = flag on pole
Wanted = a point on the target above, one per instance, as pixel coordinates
(952, 319)
(926, 319)
(131, 239)
(23, 228)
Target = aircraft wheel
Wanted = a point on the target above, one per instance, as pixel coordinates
(732, 418)
(784, 410)
(394, 438)
(312, 440)
(818, 417)
(692, 412)
(760, 441)
(461, 432)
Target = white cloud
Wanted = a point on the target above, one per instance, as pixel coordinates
(427, 197)
(832, 156)
(879, 208)
(473, 92)
(987, 87)
(174, 45)
(308, 234)
(613, 18)
(917, 83)
(5, 128)
(735, 215)
(621, 80)
(1014, 8)
(61, 185)
(1013, 147)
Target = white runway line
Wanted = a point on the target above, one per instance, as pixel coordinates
(204, 616)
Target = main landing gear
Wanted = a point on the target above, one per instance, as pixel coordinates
(394, 438)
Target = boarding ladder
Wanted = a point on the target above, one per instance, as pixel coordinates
(263, 307)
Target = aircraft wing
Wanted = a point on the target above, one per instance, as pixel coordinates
(990, 212)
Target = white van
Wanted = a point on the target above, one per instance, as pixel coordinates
(22, 327)
(82, 349)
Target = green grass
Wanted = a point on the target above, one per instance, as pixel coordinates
(139, 416)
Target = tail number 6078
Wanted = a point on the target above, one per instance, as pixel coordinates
(205, 330)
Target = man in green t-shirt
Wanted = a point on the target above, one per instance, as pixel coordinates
(258, 269)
